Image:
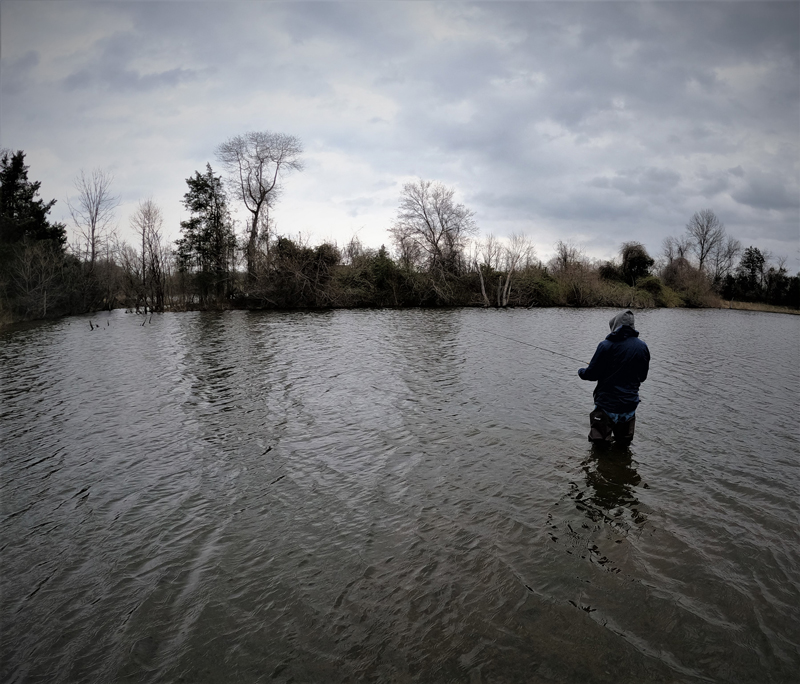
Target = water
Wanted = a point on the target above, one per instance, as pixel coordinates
(396, 496)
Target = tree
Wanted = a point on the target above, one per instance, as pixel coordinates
(34, 271)
(722, 258)
(777, 284)
(675, 248)
(255, 162)
(636, 262)
(207, 249)
(430, 228)
(502, 260)
(750, 272)
(302, 274)
(691, 283)
(575, 276)
(489, 251)
(566, 258)
(706, 232)
(36, 274)
(517, 253)
(151, 271)
(23, 216)
(93, 212)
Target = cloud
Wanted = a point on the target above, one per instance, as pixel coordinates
(18, 72)
(584, 119)
(769, 192)
(640, 181)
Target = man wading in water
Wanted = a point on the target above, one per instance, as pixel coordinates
(619, 365)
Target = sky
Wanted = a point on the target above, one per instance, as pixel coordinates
(594, 123)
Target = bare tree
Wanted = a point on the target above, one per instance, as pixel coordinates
(676, 248)
(489, 252)
(496, 262)
(409, 253)
(706, 232)
(431, 228)
(255, 162)
(353, 251)
(723, 258)
(148, 223)
(566, 258)
(92, 212)
(35, 272)
(517, 253)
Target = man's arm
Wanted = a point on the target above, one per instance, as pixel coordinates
(595, 368)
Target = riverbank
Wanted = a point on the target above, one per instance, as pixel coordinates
(6, 321)
(758, 306)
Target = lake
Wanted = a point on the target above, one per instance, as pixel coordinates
(396, 496)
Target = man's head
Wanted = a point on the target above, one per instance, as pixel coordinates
(624, 318)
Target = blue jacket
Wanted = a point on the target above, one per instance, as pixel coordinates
(619, 365)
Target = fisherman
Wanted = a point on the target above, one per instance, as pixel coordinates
(619, 365)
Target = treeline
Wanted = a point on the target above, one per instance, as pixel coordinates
(435, 257)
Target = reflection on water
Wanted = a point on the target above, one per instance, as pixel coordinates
(611, 477)
(395, 496)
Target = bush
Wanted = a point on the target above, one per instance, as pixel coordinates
(691, 284)
(652, 285)
(536, 287)
(611, 271)
(662, 295)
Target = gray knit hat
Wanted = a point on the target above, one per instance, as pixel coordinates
(624, 318)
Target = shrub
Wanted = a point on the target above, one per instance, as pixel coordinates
(611, 271)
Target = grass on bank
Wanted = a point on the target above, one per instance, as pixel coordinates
(757, 306)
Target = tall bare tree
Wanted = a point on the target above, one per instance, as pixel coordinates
(706, 232)
(723, 258)
(517, 253)
(255, 162)
(432, 226)
(92, 212)
(147, 221)
(489, 251)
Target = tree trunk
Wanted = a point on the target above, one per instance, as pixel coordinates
(252, 246)
(483, 286)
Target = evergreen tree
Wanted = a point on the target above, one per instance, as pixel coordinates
(207, 249)
(750, 274)
(22, 214)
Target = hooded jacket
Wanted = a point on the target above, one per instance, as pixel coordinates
(619, 366)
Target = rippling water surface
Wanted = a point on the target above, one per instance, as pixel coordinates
(396, 496)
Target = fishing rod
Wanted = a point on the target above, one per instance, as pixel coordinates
(512, 339)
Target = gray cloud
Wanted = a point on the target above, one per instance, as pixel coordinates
(769, 192)
(640, 181)
(110, 69)
(590, 119)
(18, 72)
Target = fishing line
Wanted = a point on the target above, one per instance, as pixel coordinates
(571, 358)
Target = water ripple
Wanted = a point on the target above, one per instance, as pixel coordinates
(395, 496)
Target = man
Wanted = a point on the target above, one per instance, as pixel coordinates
(619, 365)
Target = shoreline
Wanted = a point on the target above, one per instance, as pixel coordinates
(756, 306)
(722, 304)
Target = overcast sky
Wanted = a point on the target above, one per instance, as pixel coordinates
(595, 123)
